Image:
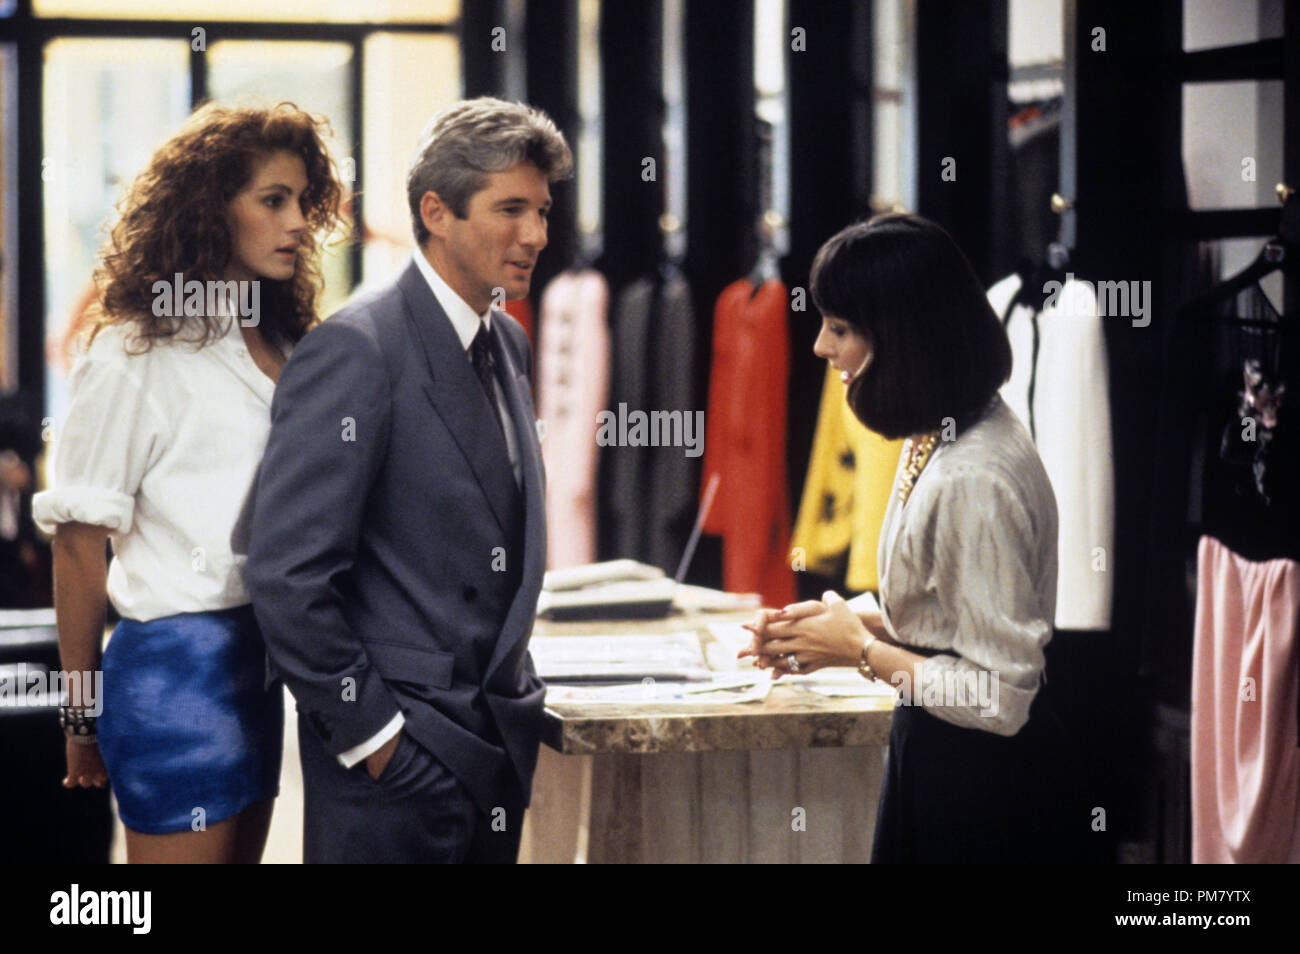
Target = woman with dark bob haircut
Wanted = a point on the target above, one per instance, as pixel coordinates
(967, 554)
(208, 277)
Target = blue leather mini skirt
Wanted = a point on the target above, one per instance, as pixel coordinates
(190, 733)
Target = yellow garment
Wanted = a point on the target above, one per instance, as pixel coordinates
(850, 477)
(876, 461)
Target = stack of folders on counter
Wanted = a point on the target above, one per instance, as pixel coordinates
(620, 659)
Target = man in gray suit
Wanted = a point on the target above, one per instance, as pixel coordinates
(398, 533)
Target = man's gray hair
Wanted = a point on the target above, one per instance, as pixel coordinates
(465, 142)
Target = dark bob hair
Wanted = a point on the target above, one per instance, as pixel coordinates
(938, 350)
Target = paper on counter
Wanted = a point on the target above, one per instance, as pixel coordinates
(619, 658)
(589, 574)
(729, 639)
(722, 690)
(840, 681)
(702, 599)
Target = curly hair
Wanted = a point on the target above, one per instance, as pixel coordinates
(172, 220)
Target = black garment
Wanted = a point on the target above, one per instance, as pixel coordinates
(649, 494)
(1250, 459)
(481, 357)
(1204, 472)
(1245, 488)
(26, 572)
(625, 470)
(956, 795)
(1033, 174)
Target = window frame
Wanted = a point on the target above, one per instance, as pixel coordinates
(28, 36)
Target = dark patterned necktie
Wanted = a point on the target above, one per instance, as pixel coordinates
(480, 355)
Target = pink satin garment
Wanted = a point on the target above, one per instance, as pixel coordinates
(1245, 763)
(573, 384)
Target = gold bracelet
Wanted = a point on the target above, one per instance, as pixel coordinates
(864, 667)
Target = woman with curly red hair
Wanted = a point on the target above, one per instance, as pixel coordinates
(207, 280)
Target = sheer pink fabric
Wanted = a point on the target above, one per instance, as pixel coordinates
(1245, 763)
(573, 382)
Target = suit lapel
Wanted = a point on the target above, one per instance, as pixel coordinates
(519, 619)
(519, 402)
(458, 398)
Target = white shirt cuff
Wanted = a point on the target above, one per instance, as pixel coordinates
(373, 744)
(110, 509)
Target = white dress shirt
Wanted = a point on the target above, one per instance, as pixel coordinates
(466, 323)
(161, 448)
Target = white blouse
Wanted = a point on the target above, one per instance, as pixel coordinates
(968, 570)
(162, 448)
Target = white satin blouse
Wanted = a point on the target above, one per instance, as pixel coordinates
(161, 449)
(968, 571)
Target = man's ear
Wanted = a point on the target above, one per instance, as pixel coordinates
(435, 214)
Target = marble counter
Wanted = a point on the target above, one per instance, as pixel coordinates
(792, 716)
(793, 778)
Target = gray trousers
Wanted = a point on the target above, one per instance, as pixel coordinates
(416, 812)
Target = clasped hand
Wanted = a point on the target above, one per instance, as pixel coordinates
(805, 637)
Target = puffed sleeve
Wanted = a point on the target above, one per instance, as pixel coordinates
(114, 432)
(981, 561)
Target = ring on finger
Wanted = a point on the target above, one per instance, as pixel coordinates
(793, 662)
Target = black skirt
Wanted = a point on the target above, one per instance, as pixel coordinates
(956, 795)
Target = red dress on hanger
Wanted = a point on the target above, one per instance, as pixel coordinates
(745, 440)
(521, 310)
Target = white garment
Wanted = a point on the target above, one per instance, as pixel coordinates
(968, 568)
(1072, 430)
(467, 324)
(162, 448)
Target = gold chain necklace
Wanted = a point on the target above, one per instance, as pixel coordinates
(917, 457)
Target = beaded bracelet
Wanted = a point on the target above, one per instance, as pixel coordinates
(77, 725)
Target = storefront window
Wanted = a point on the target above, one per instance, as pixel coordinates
(314, 77)
(307, 11)
(107, 105)
(421, 74)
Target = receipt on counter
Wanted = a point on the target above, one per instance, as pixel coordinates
(721, 690)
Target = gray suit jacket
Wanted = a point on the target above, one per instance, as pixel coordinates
(393, 561)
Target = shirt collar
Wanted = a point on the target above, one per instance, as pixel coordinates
(461, 314)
